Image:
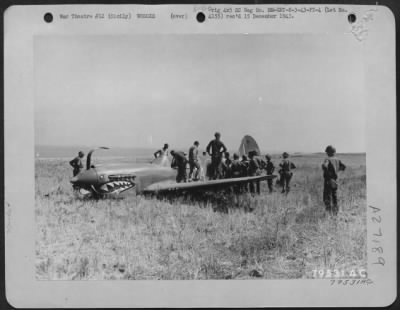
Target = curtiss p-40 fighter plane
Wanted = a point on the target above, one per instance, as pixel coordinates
(155, 177)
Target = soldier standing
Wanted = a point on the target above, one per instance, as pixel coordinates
(270, 168)
(179, 162)
(76, 163)
(194, 161)
(286, 172)
(216, 148)
(331, 166)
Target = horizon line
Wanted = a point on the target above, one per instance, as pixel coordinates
(183, 148)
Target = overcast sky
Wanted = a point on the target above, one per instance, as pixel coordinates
(290, 92)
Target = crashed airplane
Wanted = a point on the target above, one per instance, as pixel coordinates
(155, 177)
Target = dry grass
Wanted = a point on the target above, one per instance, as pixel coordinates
(282, 237)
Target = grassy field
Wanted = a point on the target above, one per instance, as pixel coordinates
(271, 236)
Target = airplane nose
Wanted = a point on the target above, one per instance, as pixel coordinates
(85, 177)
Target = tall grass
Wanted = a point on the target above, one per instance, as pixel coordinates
(272, 236)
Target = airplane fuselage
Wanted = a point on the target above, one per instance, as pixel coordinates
(117, 178)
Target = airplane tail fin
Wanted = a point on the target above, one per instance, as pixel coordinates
(247, 145)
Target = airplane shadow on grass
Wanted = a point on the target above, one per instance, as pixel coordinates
(221, 201)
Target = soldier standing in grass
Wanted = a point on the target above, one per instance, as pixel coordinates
(286, 172)
(270, 168)
(179, 162)
(331, 166)
(215, 149)
(194, 161)
(76, 163)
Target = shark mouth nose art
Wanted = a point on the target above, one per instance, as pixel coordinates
(118, 184)
(115, 187)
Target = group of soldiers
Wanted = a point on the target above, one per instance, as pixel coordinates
(223, 166)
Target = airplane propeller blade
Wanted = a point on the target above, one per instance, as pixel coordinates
(89, 156)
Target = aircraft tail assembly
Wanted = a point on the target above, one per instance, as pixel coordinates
(247, 145)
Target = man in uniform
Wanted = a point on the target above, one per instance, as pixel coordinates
(162, 152)
(215, 149)
(286, 172)
(331, 167)
(76, 163)
(179, 162)
(194, 161)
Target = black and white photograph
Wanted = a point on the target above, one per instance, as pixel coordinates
(173, 157)
(192, 149)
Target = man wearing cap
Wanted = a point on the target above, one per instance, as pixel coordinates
(270, 168)
(179, 162)
(286, 172)
(162, 152)
(215, 149)
(194, 161)
(331, 167)
(76, 163)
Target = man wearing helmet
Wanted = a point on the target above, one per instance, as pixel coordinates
(331, 166)
(215, 149)
(76, 163)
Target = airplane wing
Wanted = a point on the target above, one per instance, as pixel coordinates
(170, 186)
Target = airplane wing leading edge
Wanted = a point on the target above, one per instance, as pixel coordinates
(169, 186)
